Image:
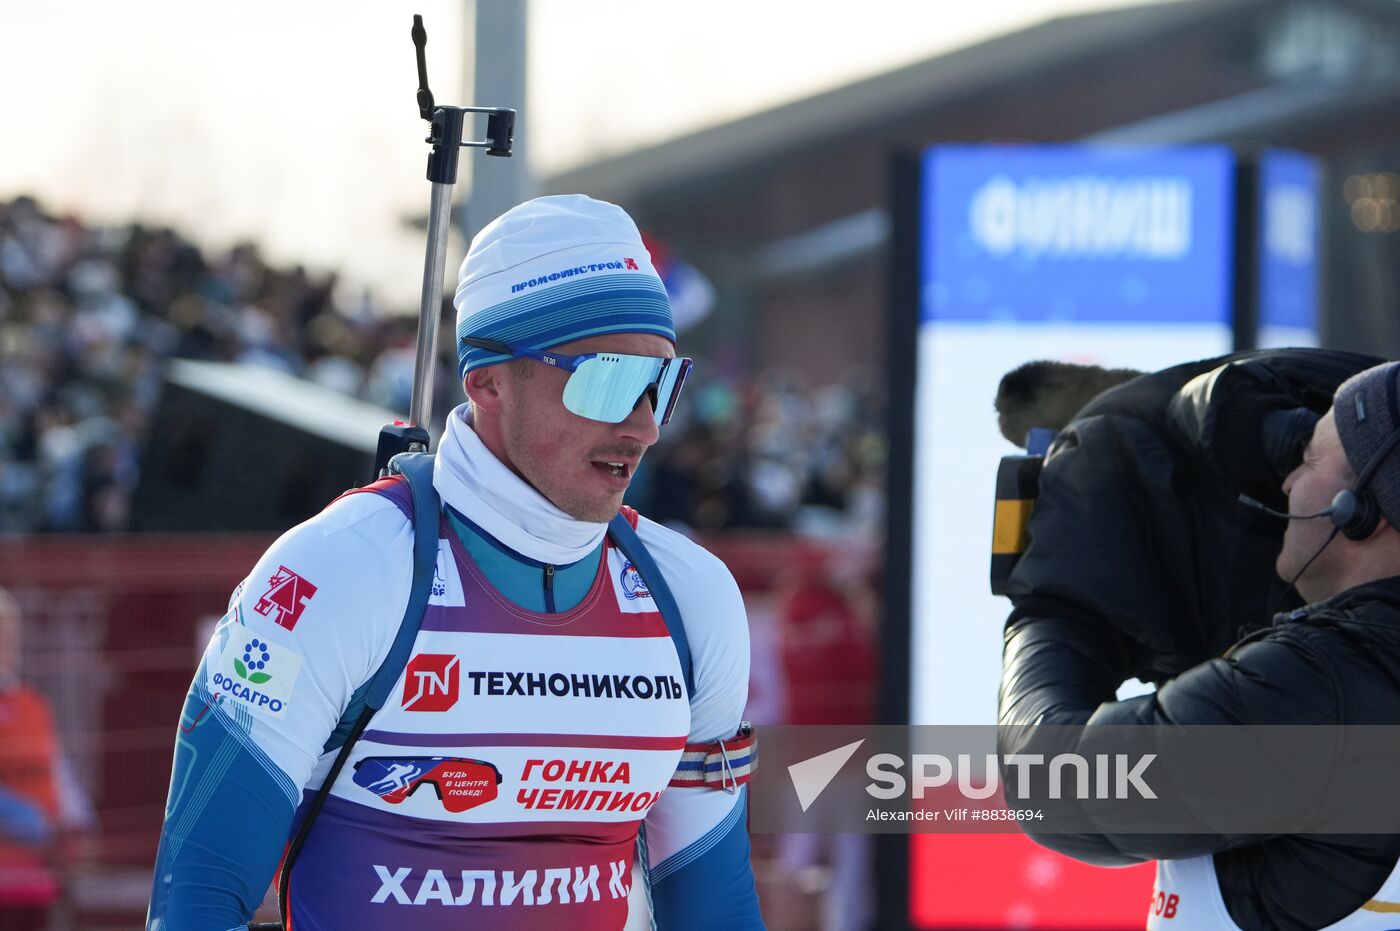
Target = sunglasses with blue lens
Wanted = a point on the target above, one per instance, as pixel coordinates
(606, 386)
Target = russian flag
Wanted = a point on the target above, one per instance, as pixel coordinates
(691, 293)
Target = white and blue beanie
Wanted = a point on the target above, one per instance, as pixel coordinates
(553, 270)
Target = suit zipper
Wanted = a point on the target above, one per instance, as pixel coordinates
(549, 588)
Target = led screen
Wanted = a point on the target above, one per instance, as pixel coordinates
(1115, 256)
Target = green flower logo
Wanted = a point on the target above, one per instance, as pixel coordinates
(255, 658)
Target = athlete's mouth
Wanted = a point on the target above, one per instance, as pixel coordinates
(614, 468)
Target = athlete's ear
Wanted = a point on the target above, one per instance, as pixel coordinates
(484, 386)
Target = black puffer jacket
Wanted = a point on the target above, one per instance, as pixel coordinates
(1337, 662)
(1143, 563)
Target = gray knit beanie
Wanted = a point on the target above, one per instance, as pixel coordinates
(1367, 410)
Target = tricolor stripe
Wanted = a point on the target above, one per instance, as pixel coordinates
(721, 764)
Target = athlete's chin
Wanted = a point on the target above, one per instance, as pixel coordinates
(594, 509)
(599, 512)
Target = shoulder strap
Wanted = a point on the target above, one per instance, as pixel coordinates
(417, 469)
(631, 545)
(727, 763)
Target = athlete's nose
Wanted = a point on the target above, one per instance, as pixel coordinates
(640, 425)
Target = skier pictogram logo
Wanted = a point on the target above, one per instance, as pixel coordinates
(287, 594)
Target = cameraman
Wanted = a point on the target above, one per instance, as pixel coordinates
(1335, 661)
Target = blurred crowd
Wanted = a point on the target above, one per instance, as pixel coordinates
(769, 452)
(88, 313)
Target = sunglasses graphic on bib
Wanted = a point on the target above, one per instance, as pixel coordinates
(460, 783)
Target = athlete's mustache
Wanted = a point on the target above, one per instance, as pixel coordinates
(628, 452)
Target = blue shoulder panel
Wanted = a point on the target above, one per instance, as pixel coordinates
(227, 820)
(709, 884)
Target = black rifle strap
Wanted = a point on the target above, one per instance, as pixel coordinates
(322, 793)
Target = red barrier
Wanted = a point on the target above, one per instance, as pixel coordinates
(112, 632)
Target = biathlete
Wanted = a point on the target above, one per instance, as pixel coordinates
(535, 739)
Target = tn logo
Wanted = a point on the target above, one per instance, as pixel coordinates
(431, 682)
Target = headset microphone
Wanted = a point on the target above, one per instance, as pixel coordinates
(1249, 502)
(1354, 513)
